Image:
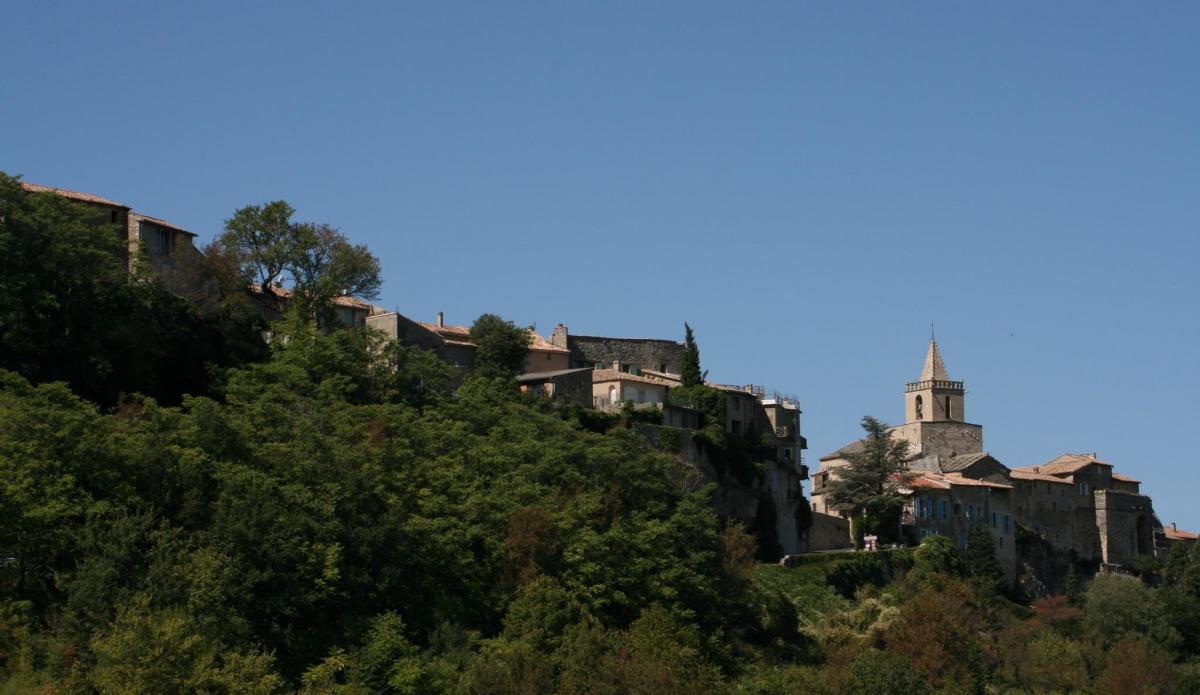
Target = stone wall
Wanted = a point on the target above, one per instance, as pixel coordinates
(827, 532)
(645, 353)
(1125, 523)
(946, 439)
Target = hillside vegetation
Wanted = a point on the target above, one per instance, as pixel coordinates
(338, 515)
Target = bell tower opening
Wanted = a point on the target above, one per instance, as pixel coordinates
(920, 408)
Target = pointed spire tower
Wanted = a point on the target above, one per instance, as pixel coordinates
(934, 397)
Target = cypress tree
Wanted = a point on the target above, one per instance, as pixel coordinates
(689, 370)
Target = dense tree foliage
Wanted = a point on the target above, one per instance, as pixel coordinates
(500, 347)
(71, 311)
(319, 261)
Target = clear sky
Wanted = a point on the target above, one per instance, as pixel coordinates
(808, 186)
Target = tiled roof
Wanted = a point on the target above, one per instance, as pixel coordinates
(461, 335)
(667, 376)
(458, 332)
(959, 463)
(540, 344)
(958, 479)
(1178, 535)
(73, 195)
(603, 375)
(162, 223)
(1065, 464)
(852, 448)
(539, 376)
(1124, 478)
(285, 293)
(1022, 474)
(944, 481)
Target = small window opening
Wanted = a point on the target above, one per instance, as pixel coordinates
(920, 408)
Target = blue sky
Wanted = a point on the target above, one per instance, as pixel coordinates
(808, 186)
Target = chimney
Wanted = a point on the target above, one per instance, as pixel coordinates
(559, 337)
(1173, 526)
(616, 365)
(440, 320)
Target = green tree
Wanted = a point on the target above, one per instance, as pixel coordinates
(71, 311)
(980, 559)
(689, 370)
(883, 673)
(868, 486)
(262, 239)
(325, 266)
(1177, 563)
(500, 347)
(1119, 606)
(936, 557)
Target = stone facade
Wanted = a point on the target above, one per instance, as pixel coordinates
(569, 385)
(633, 354)
(1125, 523)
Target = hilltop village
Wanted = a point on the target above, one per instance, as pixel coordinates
(1076, 504)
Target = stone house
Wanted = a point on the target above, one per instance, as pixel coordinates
(1172, 535)
(163, 245)
(1075, 501)
(453, 343)
(951, 504)
(611, 388)
(565, 385)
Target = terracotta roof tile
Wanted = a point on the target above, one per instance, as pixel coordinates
(1124, 478)
(944, 481)
(162, 223)
(462, 334)
(285, 293)
(603, 375)
(1178, 534)
(73, 195)
(1065, 464)
(1022, 474)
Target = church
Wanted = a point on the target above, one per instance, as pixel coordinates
(1077, 503)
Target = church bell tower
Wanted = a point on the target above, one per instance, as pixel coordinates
(934, 397)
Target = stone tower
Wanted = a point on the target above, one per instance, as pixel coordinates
(933, 397)
(934, 417)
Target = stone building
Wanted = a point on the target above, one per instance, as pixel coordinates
(633, 355)
(162, 245)
(453, 343)
(1077, 502)
(564, 385)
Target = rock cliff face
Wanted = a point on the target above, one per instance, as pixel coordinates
(765, 496)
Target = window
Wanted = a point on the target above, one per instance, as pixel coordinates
(993, 519)
(957, 509)
(970, 512)
(736, 425)
(942, 509)
(948, 414)
(662, 367)
(612, 394)
(920, 408)
(1007, 523)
